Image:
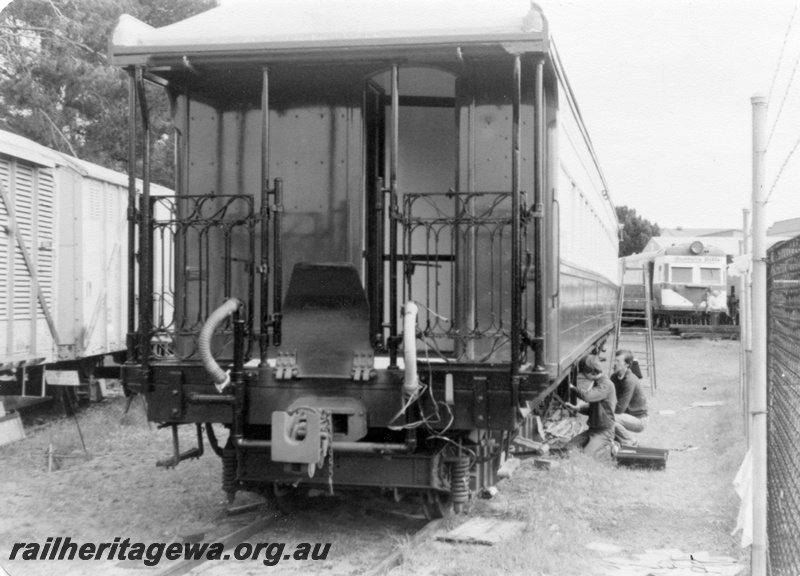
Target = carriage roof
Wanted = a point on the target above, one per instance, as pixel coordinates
(329, 29)
(25, 149)
(679, 248)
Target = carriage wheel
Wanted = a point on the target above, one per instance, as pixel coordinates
(284, 497)
(437, 504)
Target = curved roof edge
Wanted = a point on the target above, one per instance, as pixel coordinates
(281, 25)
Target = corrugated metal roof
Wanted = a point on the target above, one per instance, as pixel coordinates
(264, 25)
(790, 227)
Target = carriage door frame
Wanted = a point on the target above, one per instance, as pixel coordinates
(374, 169)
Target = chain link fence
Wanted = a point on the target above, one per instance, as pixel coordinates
(783, 374)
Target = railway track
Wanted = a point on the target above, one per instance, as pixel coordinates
(355, 533)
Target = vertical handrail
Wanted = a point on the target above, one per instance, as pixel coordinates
(516, 307)
(238, 380)
(263, 336)
(651, 364)
(181, 302)
(277, 289)
(538, 227)
(251, 285)
(145, 255)
(131, 339)
(393, 215)
(376, 298)
(620, 304)
(471, 230)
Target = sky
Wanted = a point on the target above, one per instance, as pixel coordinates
(664, 88)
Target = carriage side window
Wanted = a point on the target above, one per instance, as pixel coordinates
(711, 275)
(681, 275)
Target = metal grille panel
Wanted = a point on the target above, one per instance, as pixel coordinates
(23, 206)
(783, 373)
(457, 266)
(203, 252)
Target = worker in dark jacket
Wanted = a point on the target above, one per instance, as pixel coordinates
(631, 411)
(600, 400)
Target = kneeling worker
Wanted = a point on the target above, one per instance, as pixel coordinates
(631, 409)
(598, 440)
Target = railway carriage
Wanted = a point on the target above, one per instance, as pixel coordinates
(688, 283)
(63, 264)
(391, 241)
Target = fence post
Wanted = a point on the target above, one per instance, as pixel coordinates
(758, 384)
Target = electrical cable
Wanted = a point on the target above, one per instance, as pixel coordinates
(783, 166)
(785, 93)
(780, 56)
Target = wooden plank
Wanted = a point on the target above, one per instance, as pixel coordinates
(62, 377)
(531, 444)
(715, 329)
(544, 464)
(709, 404)
(486, 531)
(11, 429)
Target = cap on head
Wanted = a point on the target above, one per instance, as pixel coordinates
(591, 365)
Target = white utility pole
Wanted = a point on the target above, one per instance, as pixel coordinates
(758, 384)
(745, 316)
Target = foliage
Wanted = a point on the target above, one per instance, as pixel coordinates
(636, 231)
(58, 88)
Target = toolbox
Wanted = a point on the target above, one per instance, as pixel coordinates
(641, 457)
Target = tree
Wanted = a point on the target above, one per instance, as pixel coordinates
(58, 88)
(636, 231)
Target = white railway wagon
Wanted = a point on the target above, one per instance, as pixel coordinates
(63, 265)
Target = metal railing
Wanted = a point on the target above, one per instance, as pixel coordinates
(456, 256)
(783, 374)
(203, 251)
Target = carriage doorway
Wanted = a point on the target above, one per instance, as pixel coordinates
(425, 163)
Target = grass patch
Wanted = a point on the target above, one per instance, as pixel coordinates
(690, 505)
(111, 490)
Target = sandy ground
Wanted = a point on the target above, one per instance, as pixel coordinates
(120, 493)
